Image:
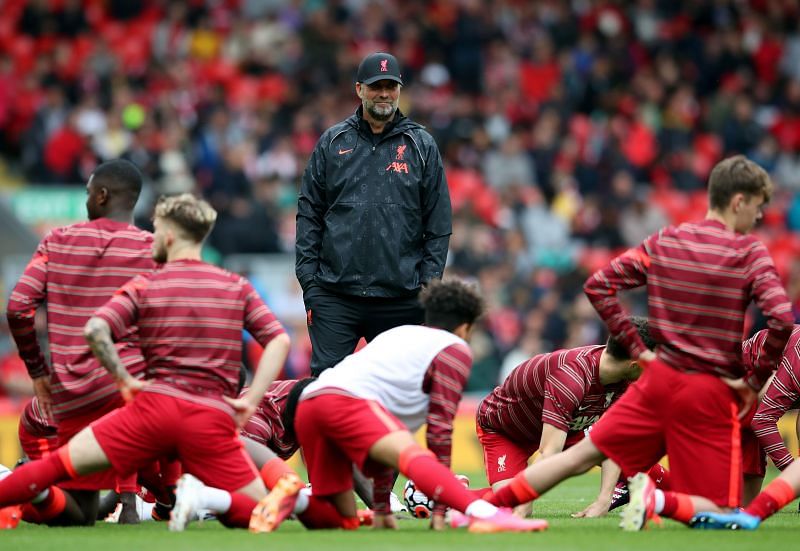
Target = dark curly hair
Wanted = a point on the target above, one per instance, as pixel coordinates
(619, 351)
(450, 303)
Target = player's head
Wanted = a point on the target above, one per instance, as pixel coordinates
(113, 188)
(618, 352)
(180, 221)
(452, 305)
(378, 84)
(739, 188)
(290, 406)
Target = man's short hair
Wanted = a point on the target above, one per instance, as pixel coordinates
(450, 303)
(193, 216)
(734, 175)
(618, 350)
(122, 178)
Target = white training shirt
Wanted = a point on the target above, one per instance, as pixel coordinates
(390, 370)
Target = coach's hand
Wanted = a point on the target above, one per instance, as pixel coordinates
(243, 410)
(129, 387)
(384, 522)
(41, 387)
(747, 396)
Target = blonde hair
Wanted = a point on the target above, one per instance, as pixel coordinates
(193, 216)
(737, 174)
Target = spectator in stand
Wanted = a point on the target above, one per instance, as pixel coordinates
(660, 90)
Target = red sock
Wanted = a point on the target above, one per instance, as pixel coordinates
(321, 514)
(29, 480)
(771, 500)
(660, 476)
(238, 516)
(351, 523)
(434, 479)
(678, 507)
(515, 493)
(273, 470)
(479, 493)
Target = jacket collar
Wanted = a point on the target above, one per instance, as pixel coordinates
(399, 123)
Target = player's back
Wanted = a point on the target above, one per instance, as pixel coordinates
(391, 370)
(700, 280)
(266, 424)
(191, 317)
(517, 406)
(83, 265)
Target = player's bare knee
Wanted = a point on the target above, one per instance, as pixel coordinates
(85, 454)
(255, 489)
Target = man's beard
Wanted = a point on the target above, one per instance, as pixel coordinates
(378, 116)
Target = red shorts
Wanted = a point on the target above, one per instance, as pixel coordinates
(504, 458)
(156, 426)
(102, 480)
(692, 418)
(36, 447)
(337, 431)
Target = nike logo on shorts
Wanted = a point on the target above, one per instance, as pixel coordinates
(343, 151)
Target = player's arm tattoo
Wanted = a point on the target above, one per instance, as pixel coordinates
(98, 334)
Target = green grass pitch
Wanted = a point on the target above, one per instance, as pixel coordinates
(564, 534)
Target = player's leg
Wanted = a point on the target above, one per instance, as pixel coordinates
(703, 439)
(778, 493)
(658, 473)
(503, 460)
(329, 469)
(82, 455)
(399, 450)
(540, 477)
(53, 505)
(209, 448)
(333, 325)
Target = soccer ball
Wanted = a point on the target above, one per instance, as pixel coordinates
(419, 505)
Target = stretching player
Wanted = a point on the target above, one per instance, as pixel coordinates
(363, 410)
(782, 394)
(190, 317)
(547, 403)
(75, 270)
(700, 279)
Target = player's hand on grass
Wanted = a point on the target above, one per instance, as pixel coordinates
(243, 410)
(129, 387)
(41, 387)
(747, 396)
(438, 522)
(595, 510)
(384, 522)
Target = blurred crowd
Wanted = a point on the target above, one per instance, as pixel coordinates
(569, 129)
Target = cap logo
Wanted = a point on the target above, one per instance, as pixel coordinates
(384, 65)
